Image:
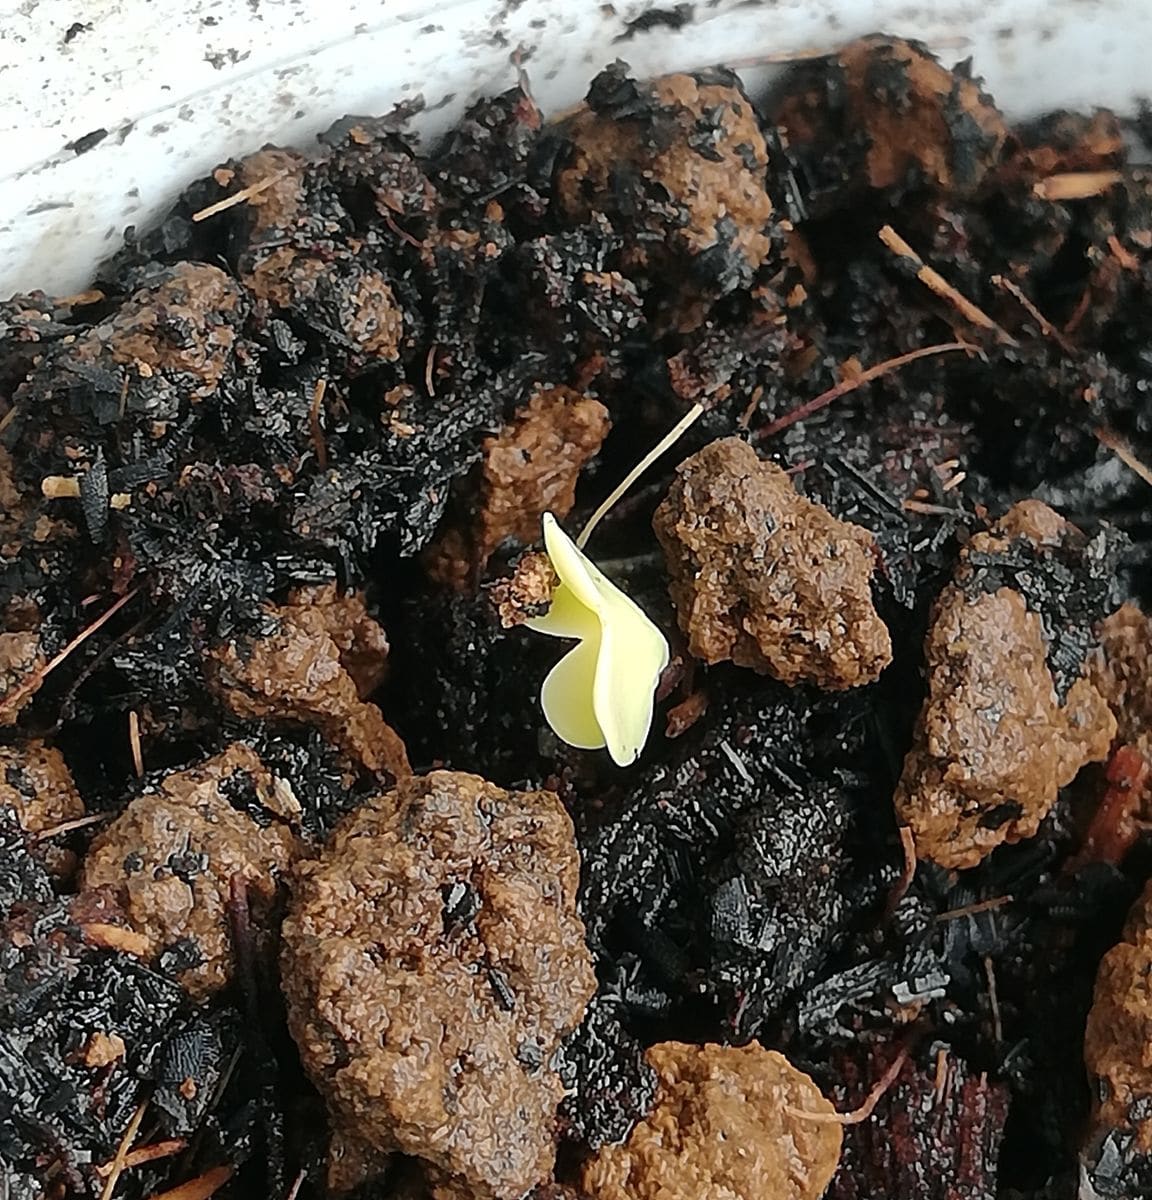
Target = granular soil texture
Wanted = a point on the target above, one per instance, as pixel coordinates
(270, 506)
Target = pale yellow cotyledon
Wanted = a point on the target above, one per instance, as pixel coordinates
(601, 692)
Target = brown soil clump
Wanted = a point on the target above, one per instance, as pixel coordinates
(681, 164)
(278, 266)
(325, 657)
(720, 1130)
(765, 578)
(171, 855)
(890, 116)
(1122, 671)
(527, 592)
(1118, 1037)
(173, 341)
(36, 782)
(278, 205)
(433, 960)
(994, 744)
(531, 467)
(20, 656)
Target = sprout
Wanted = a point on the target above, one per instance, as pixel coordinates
(601, 692)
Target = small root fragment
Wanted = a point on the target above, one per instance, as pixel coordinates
(858, 380)
(1106, 437)
(858, 1116)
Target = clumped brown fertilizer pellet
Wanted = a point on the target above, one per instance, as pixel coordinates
(300, 893)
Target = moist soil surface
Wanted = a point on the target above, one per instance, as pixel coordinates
(270, 506)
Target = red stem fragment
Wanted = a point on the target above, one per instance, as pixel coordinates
(1115, 825)
(850, 385)
(858, 1116)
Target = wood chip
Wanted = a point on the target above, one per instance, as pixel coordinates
(60, 487)
(116, 937)
(1075, 185)
(200, 1188)
(316, 426)
(67, 487)
(103, 1049)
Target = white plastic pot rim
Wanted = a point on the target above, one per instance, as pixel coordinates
(110, 108)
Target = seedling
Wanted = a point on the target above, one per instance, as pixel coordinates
(601, 692)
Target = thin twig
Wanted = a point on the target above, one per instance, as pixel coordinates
(69, 826)
(403, 234)
(1046, 327)
(122, 1151)
(429, 368)
(971, 910)
(993, 999)
(1075, 185)
(145, 1154)
(240, 197)
(1122, 254)
(942, 1065)
(134, 743)
(1080, 311)
(935, 282)
(745, 418)
(928, 510)
(1122, 451)
(316, 428)
(297, 1184)
(9, 417)
(33, 682)
(669, 439)
(907, 870)
(850, 385)
(858, 1115)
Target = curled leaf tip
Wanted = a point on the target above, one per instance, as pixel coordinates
(601, 692)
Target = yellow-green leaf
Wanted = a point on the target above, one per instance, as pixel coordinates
(601, 692)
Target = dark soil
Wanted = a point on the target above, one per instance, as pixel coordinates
(306, 394)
